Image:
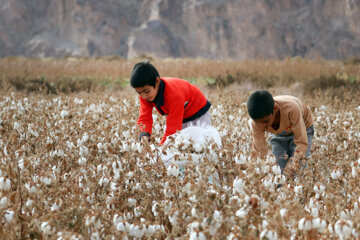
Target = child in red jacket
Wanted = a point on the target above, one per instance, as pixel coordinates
(183, 103)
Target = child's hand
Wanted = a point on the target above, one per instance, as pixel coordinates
(145, 139)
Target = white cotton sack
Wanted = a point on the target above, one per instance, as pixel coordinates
(190, 144)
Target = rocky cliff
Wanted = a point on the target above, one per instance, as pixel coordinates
(237, 29)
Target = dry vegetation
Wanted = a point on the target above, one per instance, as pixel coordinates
(72, 168)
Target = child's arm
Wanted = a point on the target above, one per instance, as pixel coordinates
(259, 143)
(300, 136)
(145, 119)
(174, 119)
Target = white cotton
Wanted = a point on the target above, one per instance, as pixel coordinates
(193, 212)
(238, 186)
(9, 215)
(173, 218)
(29, 203)
(103, 181)
(217, 216)
(267, 234)
(85, 138)
(78, 101)
(343, 228)
(46, 228)
(132, 202)
(335, 174)
(137, 212)
(242, 213)
(283, 212)
(17, 126)
(135, 231)
(241, 159)
(31, 189)
(64, 113)
(130, 174)
(305, 224)
(173, 170)
(153, 209)
(276, 169)
(314, 212)
(198, 148)
(319, 224)
(46, 180)
(298, 189)
(55, 206)
(5, 184)
(121, 227)
(197, 236)
(3, 202)
(82, 161)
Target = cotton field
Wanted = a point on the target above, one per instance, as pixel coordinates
(72, 168)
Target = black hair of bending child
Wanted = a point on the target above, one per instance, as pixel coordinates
(143, 73)
(260, 104)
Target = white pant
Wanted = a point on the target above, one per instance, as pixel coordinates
(204, 120)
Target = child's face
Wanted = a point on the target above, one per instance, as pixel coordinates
(268, 120)
(149, 92)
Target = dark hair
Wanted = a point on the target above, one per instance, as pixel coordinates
(260, 104)
(143, 73)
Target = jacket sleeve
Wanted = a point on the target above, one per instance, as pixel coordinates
(299, 130)
(258, 143)
(175, 117)
(145, 119)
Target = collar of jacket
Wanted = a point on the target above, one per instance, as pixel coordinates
(159, 100)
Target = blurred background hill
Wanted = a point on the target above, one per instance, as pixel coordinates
(228, 29)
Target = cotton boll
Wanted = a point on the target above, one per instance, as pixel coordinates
(305, 224)
(217, 216)
(173, 218)
(103, 181)
(319, 224)
(335, 174)
(193, 212)
(240, 160)
(31, 189)
(283, 212)
(29, 203)
(343, 228)
(197, 236)
(198, 148)
(3, 202)
(267, 234)
(9, 215)
(242, 213)
(298, 190)
(121, 226)
(5, 184)
(46, 228)
(135, 231)
(238, 186)
(64, 113)
(132, 202)
(314, 212)
(82, 161)
(46, 180)
(17, 126)
(173, 170)
(78, 101)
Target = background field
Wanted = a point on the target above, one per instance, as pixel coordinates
(71, 165)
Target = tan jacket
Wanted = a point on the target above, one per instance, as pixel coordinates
(295, 118)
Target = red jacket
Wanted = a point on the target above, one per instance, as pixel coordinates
(176, 98)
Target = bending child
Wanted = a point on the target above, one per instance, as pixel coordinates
(183, 103)
(289, 123)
